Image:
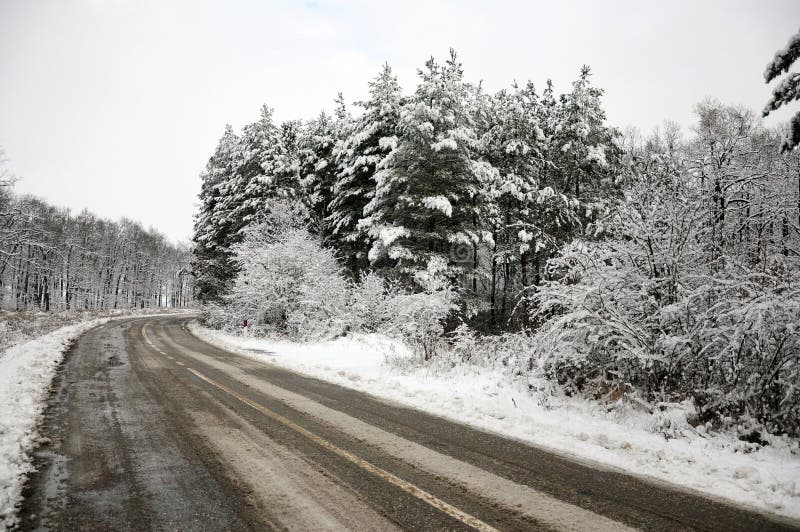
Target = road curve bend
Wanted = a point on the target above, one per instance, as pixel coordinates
(154, 429)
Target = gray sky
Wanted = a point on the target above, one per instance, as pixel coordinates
(116, 105)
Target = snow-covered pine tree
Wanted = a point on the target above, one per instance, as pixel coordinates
(368, 140)
(427, 189)
(258, 180)
(318, 167)
(787, 90)
(513, 146)
(581, 177)
(587, 149)
(212, 267)
(287, 158)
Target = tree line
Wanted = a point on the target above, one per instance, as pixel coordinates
(693, 292)
(481, 187)
(51, 259)
(662, 267)
(489, 187)
(485, 187)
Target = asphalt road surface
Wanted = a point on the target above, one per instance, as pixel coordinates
(154, 429)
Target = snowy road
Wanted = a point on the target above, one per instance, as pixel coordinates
(152, 428)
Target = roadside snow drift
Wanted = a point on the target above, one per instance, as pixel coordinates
(764, 478)
(26, 371)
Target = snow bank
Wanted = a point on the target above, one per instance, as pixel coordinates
(17, 327)
(765, 478)
(26, 371)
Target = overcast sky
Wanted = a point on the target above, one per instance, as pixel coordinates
(116, 105)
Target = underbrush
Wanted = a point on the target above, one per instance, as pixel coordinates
(16, 327)
(520, 357)
(729, 343)
(624, 322)
(290, 285)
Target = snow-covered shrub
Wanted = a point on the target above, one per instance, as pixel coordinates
(288, 282)
(749, 350)
(658, 310)
(373, 304)
(505, 349)
(418, 318)
(369, 309)
(493, 350)
(223, 317)
(5, 334)
(463, 344)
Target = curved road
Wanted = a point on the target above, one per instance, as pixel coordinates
(152, 428)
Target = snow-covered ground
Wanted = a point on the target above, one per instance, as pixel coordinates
(766, 478)
(26, 371)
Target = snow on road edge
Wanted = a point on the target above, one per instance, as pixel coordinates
(719, 465)
(26, 372)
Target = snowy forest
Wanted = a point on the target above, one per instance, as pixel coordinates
(519, 228)
(53, 260)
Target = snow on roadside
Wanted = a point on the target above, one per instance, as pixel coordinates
(26, 371)
(765, 478)
(17, 327)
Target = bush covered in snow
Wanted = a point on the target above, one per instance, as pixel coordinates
(418, 317)
(287, 281)
(290, 284)
(368, 307)
(658, 309)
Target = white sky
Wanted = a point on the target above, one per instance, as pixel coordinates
(116, 105)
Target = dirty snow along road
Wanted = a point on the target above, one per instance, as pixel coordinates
(154, 428)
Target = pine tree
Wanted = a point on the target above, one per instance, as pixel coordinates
(317, 166)
(212, 267)
(287, 159)
(583, 159)
(787, 90)
(257, 179)
(368, 140)
(583, 146)
(425, 202)
(513, 145)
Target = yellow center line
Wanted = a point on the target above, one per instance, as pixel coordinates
(406, 486)
(156, 349)
(150, 342)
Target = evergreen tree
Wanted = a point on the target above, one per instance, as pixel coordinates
(317, 166)
(787, 90)
(581, 176)
(368, 140)
(257, 179)
(586, 145)
(212, 267)
(425, 202)
(513, 145)
(287, 160)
